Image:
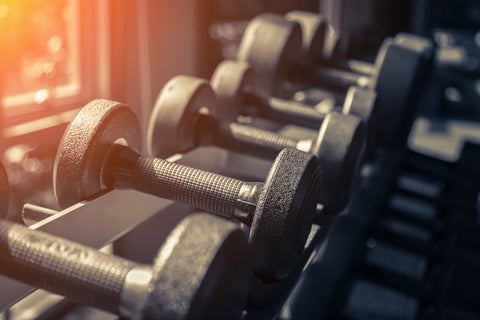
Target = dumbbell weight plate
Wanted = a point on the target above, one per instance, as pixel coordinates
(217, 295)
(395, 81)
(229, 82)
(175, 126)
(270, 66)
(363, 104)
(85, 144)
(293, 215)
(339, 145)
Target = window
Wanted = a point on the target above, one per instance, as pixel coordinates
(42, 46)
(49, 52)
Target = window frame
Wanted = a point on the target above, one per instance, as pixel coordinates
(93, 46)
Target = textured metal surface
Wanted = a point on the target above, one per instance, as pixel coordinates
(80, 273)
(77, 173)
(201, 272)
(243, 138)
(172, 122)
(125, 168)
(269, 44)
(284, 213)
(261, 137)
(339, 147)
(201, 189)
(292, 112)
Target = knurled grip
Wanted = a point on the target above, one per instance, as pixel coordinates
(201, 189)
(80, 273)
(288, 109)
(259, 137)
(241, 138)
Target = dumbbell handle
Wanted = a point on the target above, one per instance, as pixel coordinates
(211, 192)
(246, 139)
(80, 273)
(285, 111)
(340, 78)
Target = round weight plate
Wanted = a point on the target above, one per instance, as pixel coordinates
(361, 102)
(201, 271)
(77, 172)
(314, 31)
(229, 82)
(284, 213)
(339, 147)
(396, 81)
(172, 123)
(270, 44)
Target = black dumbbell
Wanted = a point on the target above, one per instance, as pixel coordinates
(186, 115)
(97, 153)
(200, 272)
(232, 82)
(360, 72)
(273, 47)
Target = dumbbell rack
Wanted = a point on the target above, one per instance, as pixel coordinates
(407, 247)
(351, 263)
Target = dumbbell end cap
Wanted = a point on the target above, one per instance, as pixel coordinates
(80, 159)
(339, 147)
(284, 213)
(201, 271)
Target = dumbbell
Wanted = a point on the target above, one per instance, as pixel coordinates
(186, 115)
(314, 29)
(200, 272)
(97, 153)
(272, 45)
(232, 83)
